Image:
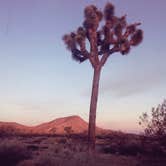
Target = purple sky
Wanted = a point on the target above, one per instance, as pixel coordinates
(39, 81)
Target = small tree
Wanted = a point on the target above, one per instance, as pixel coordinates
(68, 130)
(114, 36)
(155, 124)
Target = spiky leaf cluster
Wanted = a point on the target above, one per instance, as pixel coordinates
(92, 17)
(116, 35)
(75, 42)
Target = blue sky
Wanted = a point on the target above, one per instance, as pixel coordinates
(39, 81)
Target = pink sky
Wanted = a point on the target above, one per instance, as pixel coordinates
(40, 82)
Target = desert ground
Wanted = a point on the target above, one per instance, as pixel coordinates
(116, 149)
(63, 142)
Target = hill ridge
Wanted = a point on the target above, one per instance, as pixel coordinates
(56, 126)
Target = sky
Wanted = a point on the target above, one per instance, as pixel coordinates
(40, 82)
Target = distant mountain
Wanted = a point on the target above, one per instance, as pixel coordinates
(14, 128)
(60, 125)
(70, 124)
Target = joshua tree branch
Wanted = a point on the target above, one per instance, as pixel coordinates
(130, 29)
(93, 45)
(107, 54)
(84, 51)
(86, 54)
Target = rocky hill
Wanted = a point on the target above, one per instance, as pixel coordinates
(70, 124)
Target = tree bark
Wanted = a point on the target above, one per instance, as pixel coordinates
(93, 107)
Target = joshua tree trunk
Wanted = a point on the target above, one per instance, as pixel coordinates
(93, 107)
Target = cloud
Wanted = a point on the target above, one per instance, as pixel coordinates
(147, 77)
(135, 82)
(32, 113)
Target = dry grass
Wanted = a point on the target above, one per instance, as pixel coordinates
(65, 151)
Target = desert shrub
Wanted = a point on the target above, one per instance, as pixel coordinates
(153, 148)
(53, 130)
(47, 159)
(111, 150)
(70, 159)
(26, 163)
(68, 131)
(155, 124)
(155, 130)
(152, 161)
(63, 154)
(12, 152)
(129, 149)
(33, 147)
(38, 140)
(61, 140)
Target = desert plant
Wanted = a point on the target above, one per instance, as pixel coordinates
(12, 152)
(26, 163)
(48, 159)
(63, 159)
(68, 130)
(155, 124)
(53, 130)
(116, 35)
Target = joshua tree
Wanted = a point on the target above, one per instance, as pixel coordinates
(114, 36)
